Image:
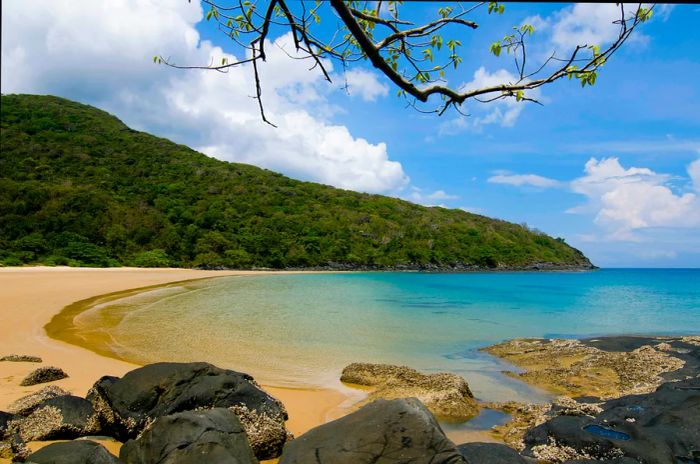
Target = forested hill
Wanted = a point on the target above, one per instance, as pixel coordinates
(78, 187)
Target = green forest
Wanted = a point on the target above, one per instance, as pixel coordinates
(80, 188)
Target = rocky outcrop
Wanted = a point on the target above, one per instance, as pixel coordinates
(25, 405)
(21, 358)
(126, 406)
(43, 375)
(385, 431)
(576, 368)
(73, 452)
(192, 437)
(445, 395)
(662, 427)
(490, 453)
(60, 418)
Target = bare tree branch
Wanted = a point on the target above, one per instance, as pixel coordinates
(398, 49)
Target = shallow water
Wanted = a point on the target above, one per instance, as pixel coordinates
(303, 329)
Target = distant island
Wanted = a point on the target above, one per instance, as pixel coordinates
(80, 188)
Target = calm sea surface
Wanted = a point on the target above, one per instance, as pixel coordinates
(303, 329)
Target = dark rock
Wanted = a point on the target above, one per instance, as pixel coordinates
(383, 432)
(685, 348)
(125, 406)
(490, 453)
(21, 358)
(193, 437)
(662, 427)
(5, 417)
(59, 418)
(73, 452)
(43, 375)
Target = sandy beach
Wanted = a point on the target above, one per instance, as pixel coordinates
(31, 296)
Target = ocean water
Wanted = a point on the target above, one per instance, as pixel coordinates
(303, 329)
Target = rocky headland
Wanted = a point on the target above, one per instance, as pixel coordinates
(625, 399)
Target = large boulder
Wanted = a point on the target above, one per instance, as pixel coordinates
(490, 453)
(43, 375)
(446, 395)
(382, 432)
(662, 427)
(127, 405)
(214, 436)
(60, 418)
(73, 452)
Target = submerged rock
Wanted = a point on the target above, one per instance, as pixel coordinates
(127, 405)
(25, 405)
(73, 452)
(662, 427)
(445, 395)
(382, 432)
(21, 358)
(43, 375)
(193, 437)
(490, 453)
(59, 418)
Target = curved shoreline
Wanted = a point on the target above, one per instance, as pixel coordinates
(33, 298)
(62, 325)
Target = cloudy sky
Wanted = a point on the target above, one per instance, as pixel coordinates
(614, 169)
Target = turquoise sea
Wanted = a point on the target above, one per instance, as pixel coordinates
(303, 329)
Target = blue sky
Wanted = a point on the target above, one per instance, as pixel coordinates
(609, 168)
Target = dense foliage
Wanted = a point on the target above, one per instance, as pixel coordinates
(78, 187)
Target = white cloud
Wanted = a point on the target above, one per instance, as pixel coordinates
(442, 195)
(366, 84)
(627, 200)
(694, 173)
(430, 199)
(100, 53)
(524, 179)
(590, 24)
(503, 112)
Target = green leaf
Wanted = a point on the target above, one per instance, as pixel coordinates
(644, 14)
(519, 95)
(209, 14)
(496, 48)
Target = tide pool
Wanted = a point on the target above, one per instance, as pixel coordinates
(303, 329)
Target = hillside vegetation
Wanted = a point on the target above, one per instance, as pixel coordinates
(78, 187)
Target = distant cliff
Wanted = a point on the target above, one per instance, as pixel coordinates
(78, 187)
